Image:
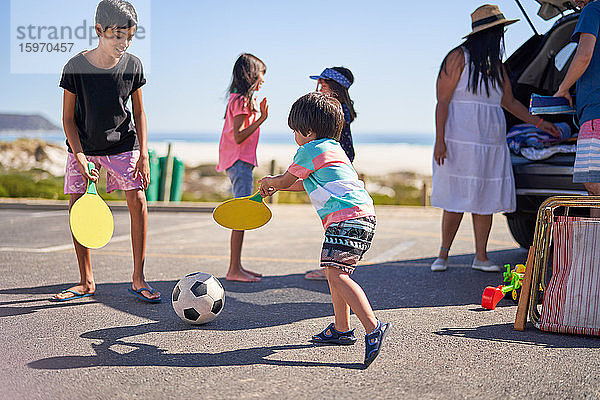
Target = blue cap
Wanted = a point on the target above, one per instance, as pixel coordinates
(329, 73)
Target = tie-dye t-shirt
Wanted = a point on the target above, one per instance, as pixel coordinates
(331, 182)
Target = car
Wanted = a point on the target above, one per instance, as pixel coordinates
(539, 66)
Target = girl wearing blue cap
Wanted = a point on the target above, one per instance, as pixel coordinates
(335, 82)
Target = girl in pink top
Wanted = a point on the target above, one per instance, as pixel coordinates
(237, 148)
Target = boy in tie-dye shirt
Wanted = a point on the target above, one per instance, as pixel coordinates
(322, 169)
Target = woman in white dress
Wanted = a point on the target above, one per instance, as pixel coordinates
(471, 169)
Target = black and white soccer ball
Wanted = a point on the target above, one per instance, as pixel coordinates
(198, 298)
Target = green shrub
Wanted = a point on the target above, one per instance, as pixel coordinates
(407, 195)
(43, 186)
(292, 198)
(204, 197)
(26, 184)
(383, 199)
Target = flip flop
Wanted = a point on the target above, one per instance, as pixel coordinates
(76, 295)
(139, 295)
(316, 275)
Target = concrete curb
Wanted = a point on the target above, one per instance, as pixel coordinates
(56, 205)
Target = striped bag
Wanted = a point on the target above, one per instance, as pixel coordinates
(572, 297)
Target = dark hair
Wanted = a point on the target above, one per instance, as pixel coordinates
(340, 92)
(116, 13)
(246, 70)
(319, 113)
(486, 49)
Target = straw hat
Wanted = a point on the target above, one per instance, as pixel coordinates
(486, 17)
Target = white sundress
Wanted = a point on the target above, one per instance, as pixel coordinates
(477, 175)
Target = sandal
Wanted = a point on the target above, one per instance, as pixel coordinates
(139, 295)
(76, 295)
(316, 275)
(374, 341)
(332, 336)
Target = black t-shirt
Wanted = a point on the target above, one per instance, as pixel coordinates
(104, 122)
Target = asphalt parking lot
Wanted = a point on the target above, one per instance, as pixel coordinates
(112, 346)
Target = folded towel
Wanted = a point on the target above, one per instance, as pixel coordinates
(549, 105)
(527, 135)
(531, 153)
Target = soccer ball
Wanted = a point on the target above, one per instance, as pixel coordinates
(198, 298)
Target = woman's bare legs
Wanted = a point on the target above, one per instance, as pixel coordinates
(482, 225)
(450, 223)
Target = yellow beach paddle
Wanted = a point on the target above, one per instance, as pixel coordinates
(243, 213)
(90, 218)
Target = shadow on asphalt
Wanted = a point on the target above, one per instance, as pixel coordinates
(505, 333)
(147, 355)
(276, 301)
(401, 284)
(115, 352)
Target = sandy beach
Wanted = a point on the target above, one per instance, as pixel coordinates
(371, 159)
(394, 173)
(374, 157)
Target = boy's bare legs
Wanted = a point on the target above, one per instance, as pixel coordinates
(482, 224)
(450, 223)
(236, 272)
(352, 295)
(86, 275)
(138, 212)
(341, 309)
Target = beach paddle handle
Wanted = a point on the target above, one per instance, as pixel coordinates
(91, 185)
(256, 197)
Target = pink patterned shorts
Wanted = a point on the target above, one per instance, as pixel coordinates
(119, 170)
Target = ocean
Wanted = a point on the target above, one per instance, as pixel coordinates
(376, 154)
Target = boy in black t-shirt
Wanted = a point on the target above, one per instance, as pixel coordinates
(100, 128)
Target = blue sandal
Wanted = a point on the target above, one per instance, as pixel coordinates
(76, 295)
(139, 295)
(374, 341)
(332, 336)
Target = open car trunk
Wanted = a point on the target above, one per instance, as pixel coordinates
(551, 8)
(541, 63)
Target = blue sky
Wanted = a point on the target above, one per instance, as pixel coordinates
(394, 49)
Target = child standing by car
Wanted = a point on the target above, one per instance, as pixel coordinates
(99, 128)
(322, 168)
(237, 147)
(335, 82)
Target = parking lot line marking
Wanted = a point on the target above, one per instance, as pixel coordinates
(37, 250)
(115, 239)
(45, 214)
(391, 254)
(408, 232)
(51, 249)
(209, 257)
